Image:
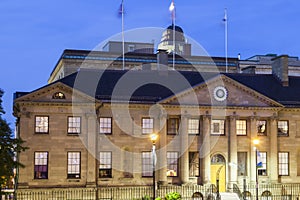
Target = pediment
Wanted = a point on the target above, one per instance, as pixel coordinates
(56, 93)
(221, 91)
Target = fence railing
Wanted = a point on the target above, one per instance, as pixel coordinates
(265, 191)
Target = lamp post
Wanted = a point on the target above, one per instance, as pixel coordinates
(153, 138)
(256, 142)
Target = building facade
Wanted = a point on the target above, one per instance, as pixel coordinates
(91, 128)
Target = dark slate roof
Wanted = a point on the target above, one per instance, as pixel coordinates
(177, 28)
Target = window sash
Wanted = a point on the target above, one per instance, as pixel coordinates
(147, 164)
(172, 126)
(261, 127)
(217, 127)
(74, 164)
(193, 126)
(105, 165)
(147, 125)
(105, 125)
(74, 125)
(283, 163)
(41, 165)
(194, 164)
(41, 124)
(172, 164)
(241, 127)
(262, 171)
(283, 128)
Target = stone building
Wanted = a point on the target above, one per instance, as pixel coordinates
(92, 127)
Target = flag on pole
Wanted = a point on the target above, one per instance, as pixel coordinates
(172, 10)
(259, 163)
(121, 9)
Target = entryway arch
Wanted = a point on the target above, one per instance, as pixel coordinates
(218, 171)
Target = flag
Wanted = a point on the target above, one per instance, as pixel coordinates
(121, 9)
(172, 10)
(259, 163)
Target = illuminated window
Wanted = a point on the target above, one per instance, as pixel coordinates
(147, 170)
(261, 127)
(217, 127)
(283, 163)
(41, 165)
(74, 125)
(172, 163)
(242, 163)
(58, 95)
(74, 165)
(105, 125)
(105, 167)
(147, 125)
(172, 126)
(193, 126)
(283, 128)
(41, 124)
(241, 127)
(262, 171)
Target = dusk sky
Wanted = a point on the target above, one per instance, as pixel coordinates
(35, 33)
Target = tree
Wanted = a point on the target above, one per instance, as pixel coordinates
(9, 147)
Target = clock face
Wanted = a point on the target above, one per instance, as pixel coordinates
(220, 93)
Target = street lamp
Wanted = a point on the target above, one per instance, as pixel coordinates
(256, 142)
(153, 138)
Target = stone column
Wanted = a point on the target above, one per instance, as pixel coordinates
(273, 166)
(184, 150)
(253, 136)
(205, 149)
(162, 151)
(91, 151)
(232, 150)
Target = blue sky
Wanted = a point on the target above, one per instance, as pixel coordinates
(34, 33)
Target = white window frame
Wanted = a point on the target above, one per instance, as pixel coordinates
(105, 125)
(74, 125)
(41, 124)
(241, 127)
(193, 126)
(74, 165)
(147, 125)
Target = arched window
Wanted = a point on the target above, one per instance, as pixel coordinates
(218, 159)
(197, 196)
(58, 95)
(266, 195)
(247, 195)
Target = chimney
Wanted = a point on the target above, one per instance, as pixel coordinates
(162, 59)
(280, 69)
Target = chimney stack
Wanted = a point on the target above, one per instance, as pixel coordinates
(280, 69)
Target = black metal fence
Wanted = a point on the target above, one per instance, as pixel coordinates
(266, 192)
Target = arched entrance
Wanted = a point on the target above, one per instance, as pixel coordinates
(218, 171)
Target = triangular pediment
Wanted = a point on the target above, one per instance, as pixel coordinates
(221, 91)
(56, 93)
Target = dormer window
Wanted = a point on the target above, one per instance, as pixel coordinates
(59, 95)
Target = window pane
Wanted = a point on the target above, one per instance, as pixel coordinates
(41, 165)
(283, 163)
(241, 127)
(261, 127)
(172, 163)
(193, 126)
(147, 165)
(73, 164)
(242, 163)
(74, 125)
(194, 164)
(105, 165)
(172, 126)
(147, 126)
(217, 127)
(105, 125)
(283, 128)
(41, 124)
(263, 158)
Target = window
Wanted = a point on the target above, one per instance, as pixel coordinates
(283, 128)
(147, 125)
(105, 125)
(217, 127)
(193, 126)
(41, 165)
(261, 127)
(283, 163)
(73, 165)
(241, 127)
(74, 125)
(172, 163)
(147, 165)
(194, 164)
(173, 126)
(41, 124)
(242, 163)
(131, 47)
(262, 157)
(105, 167)
(58, 95)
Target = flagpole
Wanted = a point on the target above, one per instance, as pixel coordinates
(123, 37)
(226, 39)
(172, 9)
